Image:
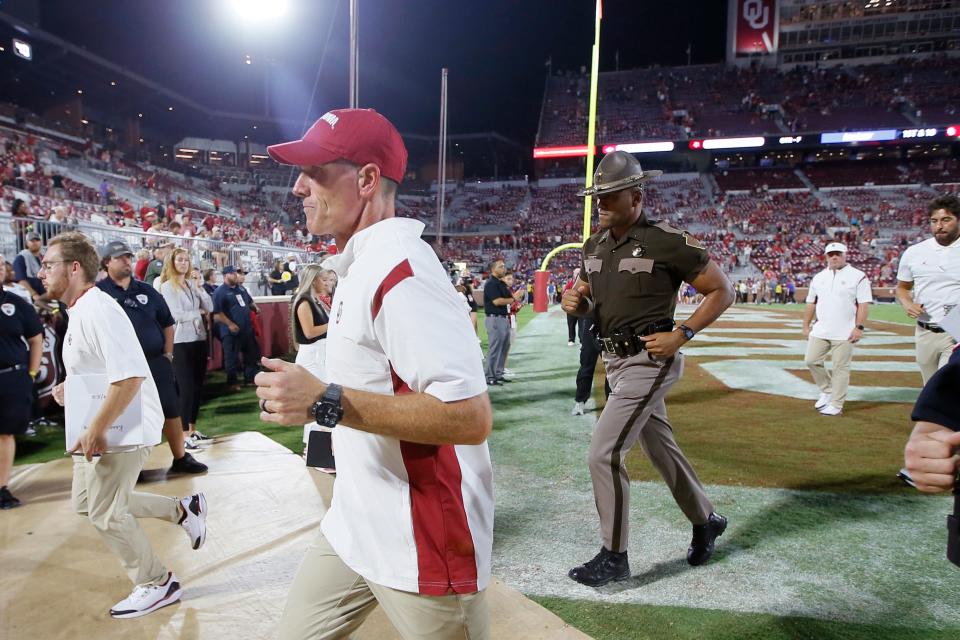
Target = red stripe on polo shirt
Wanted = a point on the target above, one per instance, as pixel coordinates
(446, 557)
(397, 275)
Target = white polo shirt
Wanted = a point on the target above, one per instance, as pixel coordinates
(101, 340)
(413, 517)
(934, 271)
(837, 294)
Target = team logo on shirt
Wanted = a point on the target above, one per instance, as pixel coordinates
(339, 311)
(8, 309)
(142, 298)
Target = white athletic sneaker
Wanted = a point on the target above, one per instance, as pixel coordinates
(830, 410)
(570, 343)
(194, 519)
(906, 477)
(146, 599)
(507, 373)
(190, 445)
(577, 409)
(823, 401)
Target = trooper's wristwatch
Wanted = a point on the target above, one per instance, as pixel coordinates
(688, 333)
(327, 411)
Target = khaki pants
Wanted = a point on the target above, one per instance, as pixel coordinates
(933, 351)
(635, 411)
(835, 381)
(103, 491)
(329, 600)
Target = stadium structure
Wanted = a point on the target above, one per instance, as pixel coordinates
(827, 120)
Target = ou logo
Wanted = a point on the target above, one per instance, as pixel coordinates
(756, 14)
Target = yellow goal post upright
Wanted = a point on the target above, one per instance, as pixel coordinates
(542, 277)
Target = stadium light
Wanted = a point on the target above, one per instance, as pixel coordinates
(733, 143)
(561, 152)
(640, 147)
(22, 49)
(258, 11)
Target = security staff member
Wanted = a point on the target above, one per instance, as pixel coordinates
(633, 270)
(19, 328)
(231, 311)
(497, 299)
(151, 319)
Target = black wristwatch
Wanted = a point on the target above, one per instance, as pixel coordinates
(861, 327)
(688, 333)
(327, 410)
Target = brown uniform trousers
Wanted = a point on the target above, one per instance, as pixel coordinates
(636, 411)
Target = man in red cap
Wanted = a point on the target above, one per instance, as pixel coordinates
(410, 525)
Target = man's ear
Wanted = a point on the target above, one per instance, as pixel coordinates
(368, 180)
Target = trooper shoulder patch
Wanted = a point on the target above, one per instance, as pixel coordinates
(691, 241)
(663, 226)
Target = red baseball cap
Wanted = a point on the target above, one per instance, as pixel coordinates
(360, 136)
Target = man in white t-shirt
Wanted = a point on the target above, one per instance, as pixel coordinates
(100, 340)
(839, 297)
(928, 284)
(410, 526)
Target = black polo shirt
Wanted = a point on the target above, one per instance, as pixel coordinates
(495, 288)
(634, 280)
(938, 400)
(235, 303)
(18, 321)
(147, 310)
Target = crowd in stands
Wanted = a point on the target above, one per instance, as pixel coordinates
(714, 100)
(45, 186)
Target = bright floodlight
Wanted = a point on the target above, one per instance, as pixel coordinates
(22, 49)
(259, 10)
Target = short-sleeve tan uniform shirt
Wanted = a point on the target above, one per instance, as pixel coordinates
(634, 280)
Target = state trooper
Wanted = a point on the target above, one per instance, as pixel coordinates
(633, 269)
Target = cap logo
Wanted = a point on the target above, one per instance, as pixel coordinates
(331, 119)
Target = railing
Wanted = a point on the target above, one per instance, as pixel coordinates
(204, 252)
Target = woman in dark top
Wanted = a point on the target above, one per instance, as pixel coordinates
(309, 315)
(466, 291)
(18, 369)
(277, 286)
(310, 312)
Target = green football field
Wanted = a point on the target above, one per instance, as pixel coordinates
(823, 541)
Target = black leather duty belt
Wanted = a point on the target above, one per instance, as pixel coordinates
(625, 341)
(929, 326)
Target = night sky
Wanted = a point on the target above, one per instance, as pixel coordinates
(496, 51)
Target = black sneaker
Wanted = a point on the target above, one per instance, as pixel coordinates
(704, 536)
(605, 567)
(7, 500)
(504, 380)
(493, 382)
(187, 464)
